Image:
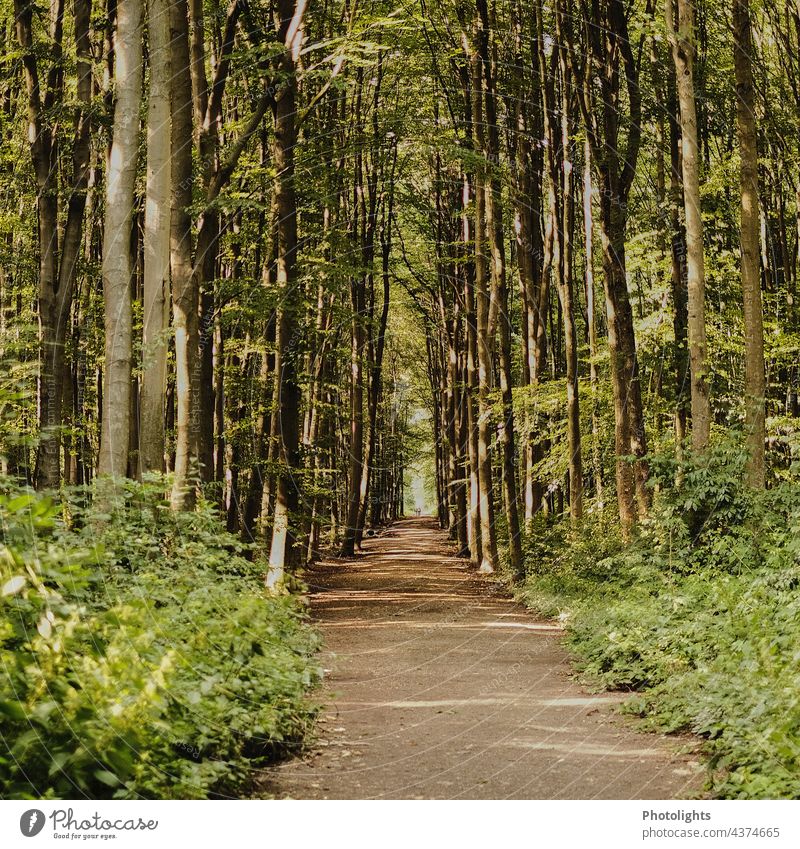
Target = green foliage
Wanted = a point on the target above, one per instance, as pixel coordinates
(140, 656)
(698, 614)
(563, 562)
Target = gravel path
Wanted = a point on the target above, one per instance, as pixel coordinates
(438, 686)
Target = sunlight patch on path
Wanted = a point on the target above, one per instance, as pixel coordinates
(437, 624)
(528, 626)
(589, 749)
(435, 703)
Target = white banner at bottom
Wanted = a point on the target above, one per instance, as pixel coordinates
(409, 824)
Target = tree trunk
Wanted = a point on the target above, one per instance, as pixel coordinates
(117, 260)
(284, 549)
(678, 268)
(156, 243)
(601, 101)
(591, 316)
(568, 313)
(376, 377)
(184, 282)
(483, 342)
(470, 392)
(754, 380)
(358, 342)
(562, 213)
(494, 221)
(56, 282)
(683, 56)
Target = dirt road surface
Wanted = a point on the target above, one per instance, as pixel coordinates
(438, 687)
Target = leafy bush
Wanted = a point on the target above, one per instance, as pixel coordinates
(140, 655)
(699, 615)
(563, 561)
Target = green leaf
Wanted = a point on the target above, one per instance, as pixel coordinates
(13, 710)
(108, 778)
(13, 585)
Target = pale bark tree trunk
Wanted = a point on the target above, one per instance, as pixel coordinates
(462, 436)
(357, 349)
(358, 341)
(117, 260)
(591, 317)
(754, 381)
(455, 415)
(528, 258)
(184, 282)
(568, 311)
(483, 320)
(678, 268)
(471, 368)
(285, 549)
(682, 42)
(156, 243)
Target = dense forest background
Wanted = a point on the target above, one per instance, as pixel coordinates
(258, 260)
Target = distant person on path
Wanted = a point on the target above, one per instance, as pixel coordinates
(417, 511)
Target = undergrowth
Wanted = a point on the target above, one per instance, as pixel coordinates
(698, 615)
(139, 654)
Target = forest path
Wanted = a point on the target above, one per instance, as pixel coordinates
(438, 686)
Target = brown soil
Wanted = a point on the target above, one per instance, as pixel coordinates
(439, 686)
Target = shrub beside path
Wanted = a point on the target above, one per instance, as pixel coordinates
(439, 686)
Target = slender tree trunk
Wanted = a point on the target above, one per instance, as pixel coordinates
(358, 280)
(563, 225)
(754, 381)
(570, 335)
(285, 548)
(185, 294)
(462, 470)
(470, 393)
(206, 271)
(482, 312)
(117, 260)
(678, 268)
(624, 366)
(591, 316)
(683, 57)
(156, 243)
(456, 424)
(499, 282)
(356, 418)
(376, 376)
(261, 435)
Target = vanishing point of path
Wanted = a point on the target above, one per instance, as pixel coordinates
(438, 686)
